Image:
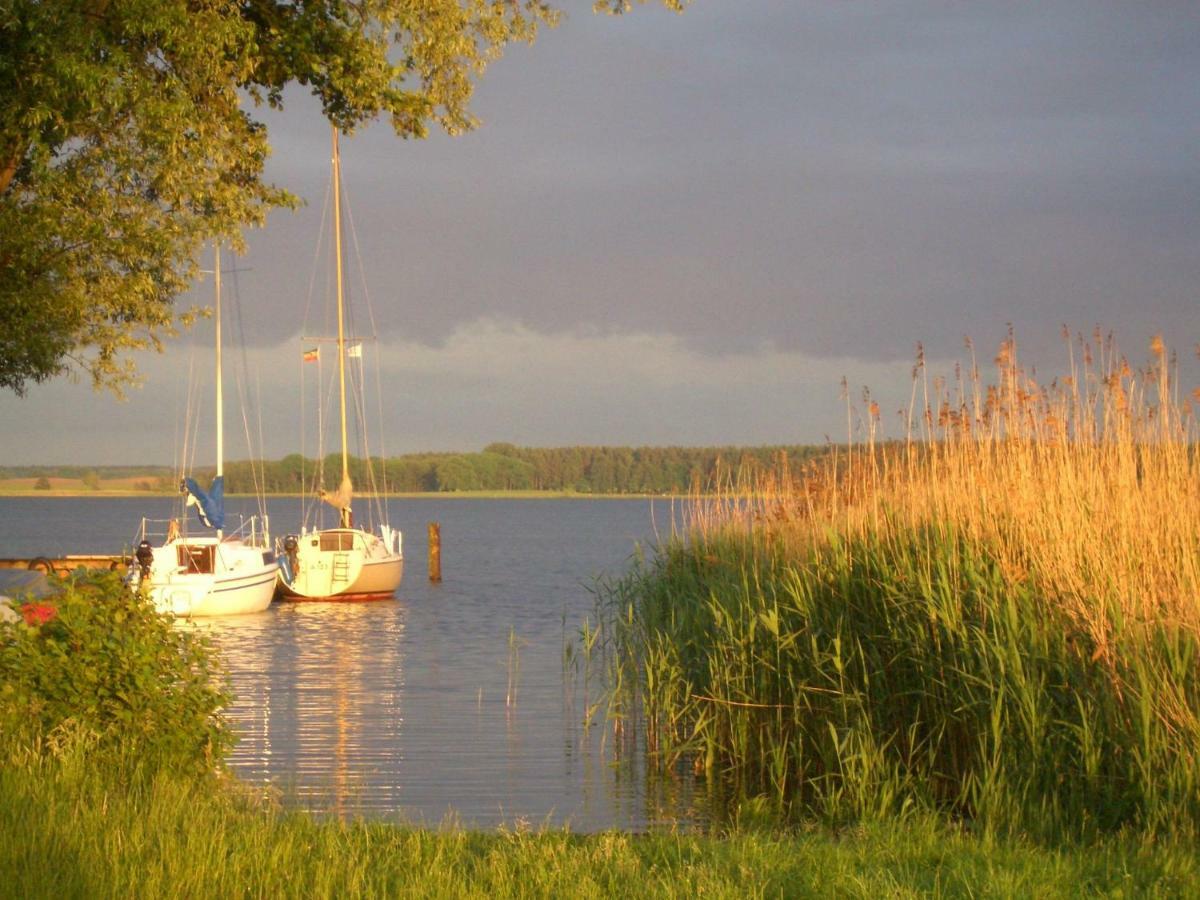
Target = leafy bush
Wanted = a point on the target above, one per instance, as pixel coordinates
(97, 659)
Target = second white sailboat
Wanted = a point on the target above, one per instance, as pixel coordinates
(344, 563)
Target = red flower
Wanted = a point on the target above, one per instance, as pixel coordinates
(38, 613)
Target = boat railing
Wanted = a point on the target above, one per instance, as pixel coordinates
(252, 530)
(155, 529)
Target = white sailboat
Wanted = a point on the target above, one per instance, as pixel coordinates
(211, 574)
(344, 563)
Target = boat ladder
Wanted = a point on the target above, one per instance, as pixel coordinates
(341, 568)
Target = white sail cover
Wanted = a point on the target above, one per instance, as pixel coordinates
(340, 499)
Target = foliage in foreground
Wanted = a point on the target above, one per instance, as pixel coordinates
(68, 829)
(95, 663)
(998, 623)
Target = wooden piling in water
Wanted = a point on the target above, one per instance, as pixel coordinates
(435, 552)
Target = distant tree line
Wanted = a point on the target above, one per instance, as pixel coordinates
(506, 467)
(86, 471)
(498, 467)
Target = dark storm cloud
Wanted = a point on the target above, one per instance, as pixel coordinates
(834, 178)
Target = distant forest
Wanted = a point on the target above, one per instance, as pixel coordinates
(499, 467)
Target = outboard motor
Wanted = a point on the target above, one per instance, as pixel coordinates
(145, 559)
(291, 550)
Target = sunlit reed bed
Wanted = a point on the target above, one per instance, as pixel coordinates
(996, 619)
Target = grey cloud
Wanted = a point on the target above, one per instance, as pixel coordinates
(815, 176)
(821, 179)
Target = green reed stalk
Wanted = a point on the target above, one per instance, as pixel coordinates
(905, 672)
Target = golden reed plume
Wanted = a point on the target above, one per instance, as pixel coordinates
(1087, 487)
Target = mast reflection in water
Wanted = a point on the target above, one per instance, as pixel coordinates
(318, 702)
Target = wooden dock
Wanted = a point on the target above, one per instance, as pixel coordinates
(62, 565)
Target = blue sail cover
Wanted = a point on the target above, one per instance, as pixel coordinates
(210, 507)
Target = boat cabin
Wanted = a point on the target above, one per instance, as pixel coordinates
(334, 540)
(198, 558)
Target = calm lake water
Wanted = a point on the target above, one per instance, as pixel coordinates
(398, 709)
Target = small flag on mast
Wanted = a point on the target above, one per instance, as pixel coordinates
(354, 350)
(312, 355)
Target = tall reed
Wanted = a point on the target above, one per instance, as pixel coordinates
(997, 617)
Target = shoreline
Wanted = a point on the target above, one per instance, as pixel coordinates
(403, 495)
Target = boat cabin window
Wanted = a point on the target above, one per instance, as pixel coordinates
(337, 540)
(196, 558)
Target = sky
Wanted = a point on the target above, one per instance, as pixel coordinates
(689, 229)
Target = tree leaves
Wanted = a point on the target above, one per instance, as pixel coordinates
(126, 143)
(134, 151)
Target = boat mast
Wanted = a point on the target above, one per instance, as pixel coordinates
(220, 399)
(343, 513)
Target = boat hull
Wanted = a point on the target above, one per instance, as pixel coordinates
(204, 577)
(193, 596)
(359, 569)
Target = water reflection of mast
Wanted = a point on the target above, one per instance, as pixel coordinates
(341, 766)
(348, 690)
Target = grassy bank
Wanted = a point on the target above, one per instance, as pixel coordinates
(68, 828)
(996, 623)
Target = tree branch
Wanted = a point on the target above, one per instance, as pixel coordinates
(9, 170)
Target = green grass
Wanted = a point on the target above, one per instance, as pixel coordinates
(69, 827)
